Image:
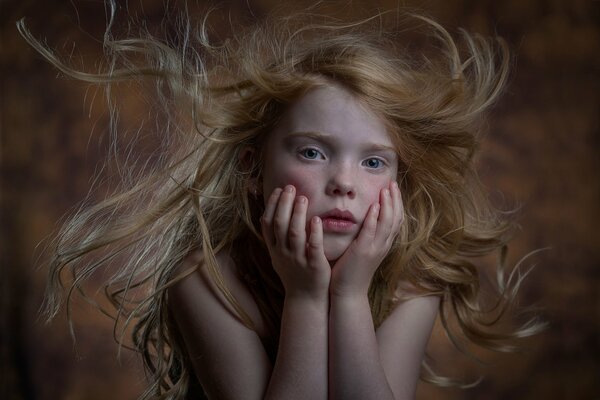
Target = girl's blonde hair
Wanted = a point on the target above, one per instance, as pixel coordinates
(220, 100)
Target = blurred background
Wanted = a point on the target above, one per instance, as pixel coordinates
(541, 151)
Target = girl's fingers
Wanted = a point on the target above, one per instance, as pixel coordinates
(314, 251)
(397, 205)
(369, 228)
(386, 215)
(267, 217)
(283, 213)
(297, 229)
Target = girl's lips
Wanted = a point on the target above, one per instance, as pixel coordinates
(337, 220)
(331, 224)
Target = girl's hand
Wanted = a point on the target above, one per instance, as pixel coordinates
(352, 273)
(301, 265)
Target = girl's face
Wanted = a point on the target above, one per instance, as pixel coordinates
(337, 153)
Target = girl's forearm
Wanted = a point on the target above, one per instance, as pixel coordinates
(355, 369)
(300, 371)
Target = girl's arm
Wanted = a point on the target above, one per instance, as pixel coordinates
(229, 358)
(364, 363)
(301, 367)
(383, 364)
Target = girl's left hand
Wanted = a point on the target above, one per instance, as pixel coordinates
(352, 273)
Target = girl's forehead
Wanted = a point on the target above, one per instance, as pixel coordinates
(334, 110)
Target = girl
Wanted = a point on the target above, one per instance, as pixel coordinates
(312, 206)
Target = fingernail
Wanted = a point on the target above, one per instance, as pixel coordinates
(316, 220)
(386, 192)
(289, 188)
(301, 200)
(395, 185)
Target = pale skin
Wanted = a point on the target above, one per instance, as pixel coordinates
(328, 153)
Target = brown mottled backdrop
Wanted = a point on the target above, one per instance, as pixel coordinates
(542, 150)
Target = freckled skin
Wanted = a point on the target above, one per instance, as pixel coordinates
(341, 175)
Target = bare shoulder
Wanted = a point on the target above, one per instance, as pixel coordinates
(228, 357)
(413, 307)
(402, 338)
(197, 282)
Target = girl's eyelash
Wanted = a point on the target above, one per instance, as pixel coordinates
(311, 153)
(382, 163)
(314, 153)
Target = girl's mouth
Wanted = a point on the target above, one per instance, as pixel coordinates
(338, 220)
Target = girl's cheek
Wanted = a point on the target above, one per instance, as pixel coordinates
(303, 180)
(375, 187)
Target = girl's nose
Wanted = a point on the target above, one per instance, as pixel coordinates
(342, 183)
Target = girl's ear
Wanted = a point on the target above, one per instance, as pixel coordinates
(247, 157)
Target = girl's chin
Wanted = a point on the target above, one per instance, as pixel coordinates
(334, 249)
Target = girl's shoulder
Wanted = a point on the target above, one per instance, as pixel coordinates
(197, 285)
(406, 290)
(227, 355)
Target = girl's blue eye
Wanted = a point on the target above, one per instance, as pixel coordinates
(310, 153)
(373, 163)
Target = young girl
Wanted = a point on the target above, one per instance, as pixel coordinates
(313, 206)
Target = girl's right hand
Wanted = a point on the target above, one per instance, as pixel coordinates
(300, 264)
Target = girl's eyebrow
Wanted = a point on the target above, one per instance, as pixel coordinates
(331, 140)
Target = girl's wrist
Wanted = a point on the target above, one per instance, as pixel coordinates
(349, 287)
(307, 297)
(346, 295)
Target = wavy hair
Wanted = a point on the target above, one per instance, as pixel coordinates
(221, 98)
